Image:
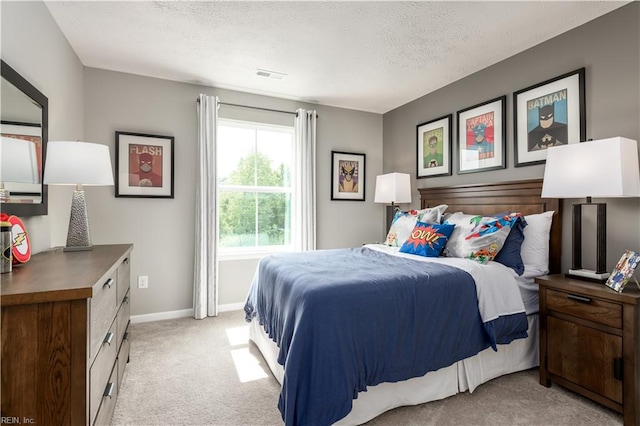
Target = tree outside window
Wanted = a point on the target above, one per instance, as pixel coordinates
(254, 181)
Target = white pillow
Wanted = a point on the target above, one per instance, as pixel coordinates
(404, 222)
(535, 247)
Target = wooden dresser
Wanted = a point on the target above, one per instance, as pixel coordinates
(65, 341)
(590, 342)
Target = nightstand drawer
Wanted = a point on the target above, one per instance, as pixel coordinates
(599, 311)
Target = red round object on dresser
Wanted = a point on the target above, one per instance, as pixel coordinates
(21, 244)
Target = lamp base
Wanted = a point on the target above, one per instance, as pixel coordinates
(78, 237)
(587, 275)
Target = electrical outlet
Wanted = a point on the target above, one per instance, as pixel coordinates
(143, 281)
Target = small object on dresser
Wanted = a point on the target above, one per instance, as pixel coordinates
(21, 246)
(624, 271)
(6, 242)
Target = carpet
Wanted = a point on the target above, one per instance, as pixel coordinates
(206, 372)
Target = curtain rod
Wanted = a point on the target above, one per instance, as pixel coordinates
(259, 108)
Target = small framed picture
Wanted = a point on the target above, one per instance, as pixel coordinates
(548, 114)
(433, 150)
(482, 136)
(623, 271)
(144, 165)
(347, 176)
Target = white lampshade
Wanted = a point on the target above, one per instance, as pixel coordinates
(603, 168)
(19, 162)
(393, 188)
(73, 163)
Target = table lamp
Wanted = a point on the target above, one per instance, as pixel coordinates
(18, 164)
(392, 188)
(78, 163)
(603, 168)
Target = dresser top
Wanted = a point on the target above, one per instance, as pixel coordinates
(55, 275)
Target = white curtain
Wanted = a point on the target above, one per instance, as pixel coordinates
(205, 277)
(305, 152)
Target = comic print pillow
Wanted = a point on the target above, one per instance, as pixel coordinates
(427, 239)
(404, 222)
(476, 237)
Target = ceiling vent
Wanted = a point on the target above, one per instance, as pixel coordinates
(270, 74)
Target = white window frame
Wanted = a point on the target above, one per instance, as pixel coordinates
(256, 252)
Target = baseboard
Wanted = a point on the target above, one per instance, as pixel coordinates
(231, 307)
(159, 316)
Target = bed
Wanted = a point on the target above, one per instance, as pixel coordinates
(324, 357)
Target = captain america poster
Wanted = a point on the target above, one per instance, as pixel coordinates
(480, 135)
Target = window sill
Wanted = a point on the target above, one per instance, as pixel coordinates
(248, 255)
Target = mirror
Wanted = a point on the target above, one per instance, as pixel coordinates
(24, 134)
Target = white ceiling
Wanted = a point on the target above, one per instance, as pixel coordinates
(364, 55)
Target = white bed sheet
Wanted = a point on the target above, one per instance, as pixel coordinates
(496, 287)
(461, 376)
(529, 292)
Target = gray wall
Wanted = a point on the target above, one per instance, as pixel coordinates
(34, 46)
(162, 229)
(608, 48)
(90, 104)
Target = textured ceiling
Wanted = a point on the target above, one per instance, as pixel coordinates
(365, 55)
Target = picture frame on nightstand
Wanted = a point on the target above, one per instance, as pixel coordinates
(623, 271)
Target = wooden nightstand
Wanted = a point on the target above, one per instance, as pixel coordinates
(590, 342)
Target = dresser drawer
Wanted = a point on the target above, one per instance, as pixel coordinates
(122, 319)
(101, 369)
(108, 396)
(599, 311)
(124, 280)
(123, 356)
(103, 311)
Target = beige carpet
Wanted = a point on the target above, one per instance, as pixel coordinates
(183, 372)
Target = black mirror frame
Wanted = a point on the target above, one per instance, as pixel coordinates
(13, 77)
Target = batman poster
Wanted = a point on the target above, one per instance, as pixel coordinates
(547, 121)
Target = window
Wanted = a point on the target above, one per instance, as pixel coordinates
(255, 194)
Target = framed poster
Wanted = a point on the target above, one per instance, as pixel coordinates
(144, 165)
(548, 114)
(347, 176)
(433, 151)
(482, 136)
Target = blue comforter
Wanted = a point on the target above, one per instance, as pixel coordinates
(350, 318)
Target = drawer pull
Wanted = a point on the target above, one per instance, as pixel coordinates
(126, 336)
(108, 338)
(126, 299)
(126, 261)
(618, 368)
(580, 299)
(109, 282)
(108, 391)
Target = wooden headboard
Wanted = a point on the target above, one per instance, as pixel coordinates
(522, 196)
